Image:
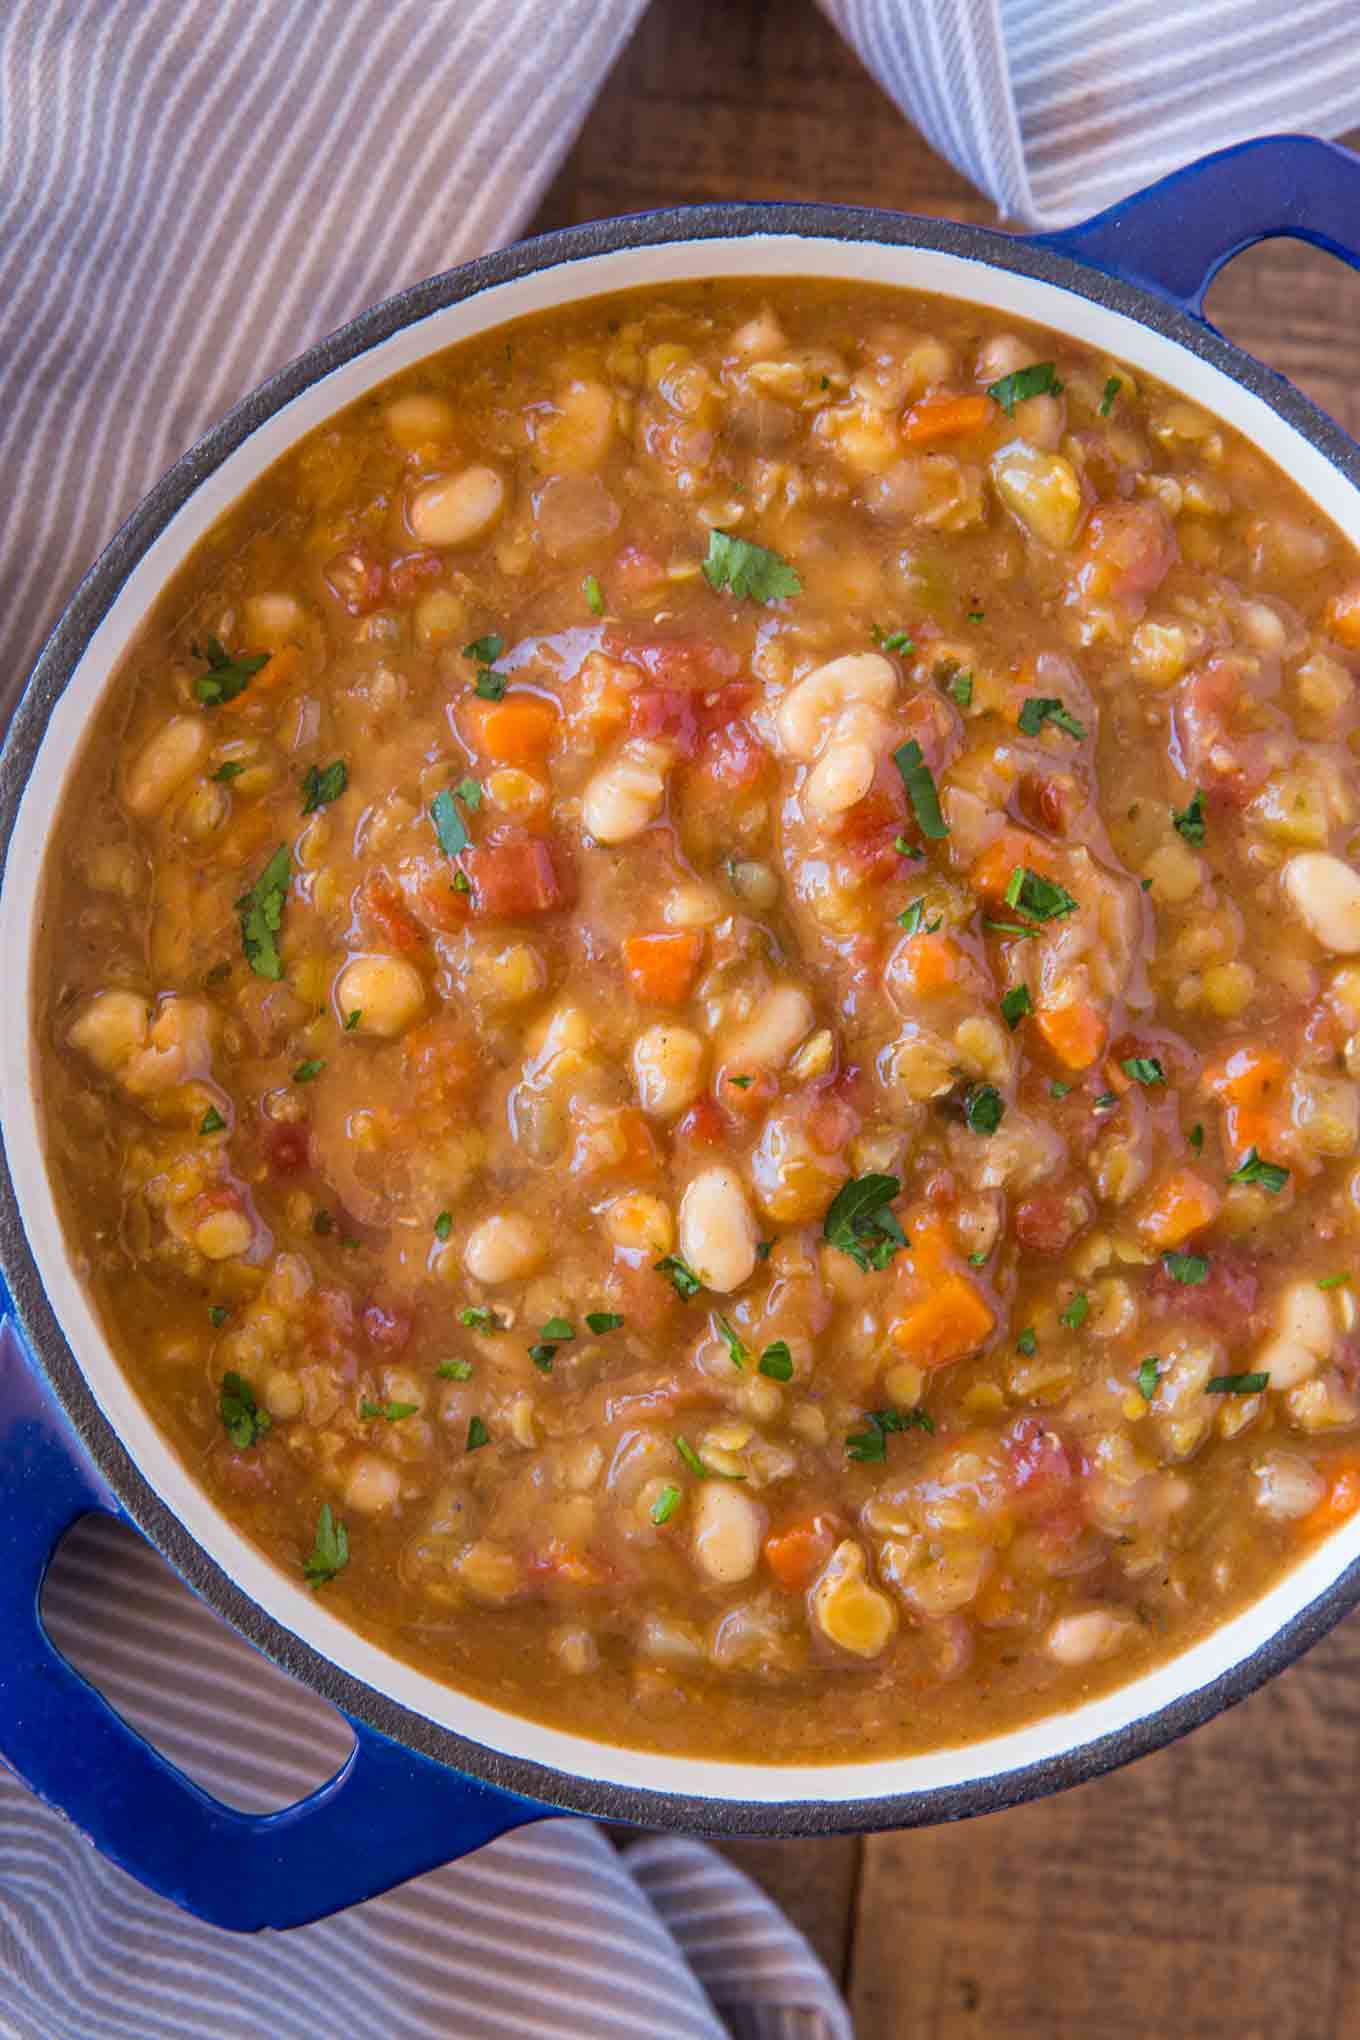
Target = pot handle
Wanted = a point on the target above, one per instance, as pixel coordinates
(1177, 234)
(388, 1814)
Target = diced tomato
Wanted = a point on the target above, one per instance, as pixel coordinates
(666, 715)
(356, 579)
(383, 907)
(832, 1121)
(1225, 1300)
(244, 1473)
(1048, 1221)
(1051, 801)
(1040, 1470)
(703, 1125)
(636, 571)
(286, 1149)
(732, 759)
(387, 1329)
(752, 1099)
(1230, 742)
(408, 575)
(612, 1143)
(869, 830)
(442, 905)
(328, 1324)
(510, 880)
(677, 661)
(443, 1062)
(1127, 551)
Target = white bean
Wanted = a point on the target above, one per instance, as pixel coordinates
(111, 1029)
(1081, 1639)
(1287, 1487)
(668, 1069)
(728, 1528)
(717, 1231)
(627, 794)
(164, 763)
(386, 992)
(1325, 893)
(455, 509)
(804, 717)
(768, 1037)
(503, 1248)
(418, 419)
(1305, 1335)
(845, 770)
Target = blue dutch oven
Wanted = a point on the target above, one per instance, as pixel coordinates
(433, 1773)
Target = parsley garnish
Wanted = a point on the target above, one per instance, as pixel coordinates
(477, 1436)
(1195, 1138)
(1147, 1376)
(959, 688)
(1058, 1088)
(1191, 1269)
(603, 1321)
(1011, 928)
(322, 1223)
(913, 920)
(594, 598)
(320, 788)
(697, 1466)
(488, 685)
(737, 1352)
(1108, 395)
(212, 1121)
(443, 1225)
(330, 1553)
(1237, 1384)
(1027, 1343)
(1105, 1101)
(307, 1072)
(984, 1108)
(448, 824)
(1041, 898)
(469, 791)
(860, 1221)
(261, 912)
(664, 1507)
(1036, 381)
(1042, 708)
(893, 640)
(218, 1314)
(543, 1357)
(478, 1318)
(1015, 1004)
(906, 849)
(682, 1278)
(390, 1412)
(226, 773)
(554, 1334)
(484, 652)
(244, 1421)
(1143, 1069)
(454, 1370)
(559, 1328)
(1190, 821)
(872, 1444)
(1076, 1313)
(1333, 1281)
(777, 1361)
(742, 1083)
(921, 790)
(1269, 1175)
(750, 572)
(226, 676)
(352, 1019)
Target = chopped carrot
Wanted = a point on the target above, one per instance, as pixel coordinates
(613, 1144)
(1250, 1085)
(932, 418)
(949, 1323)
(279, 668)
(1075, 1033)
(929, 963)
(933, 1253)
(662, 968)
(797, 1553)
(1013, 847)
(1342, 617)
(1341, 1500)
(1182, 1205)
(517, 730)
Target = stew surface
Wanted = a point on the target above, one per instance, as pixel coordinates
(700, 1019)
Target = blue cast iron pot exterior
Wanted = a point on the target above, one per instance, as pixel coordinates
(413, 1794)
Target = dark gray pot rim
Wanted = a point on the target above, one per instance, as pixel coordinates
(55, 666)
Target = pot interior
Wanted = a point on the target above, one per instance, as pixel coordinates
(1307, 448)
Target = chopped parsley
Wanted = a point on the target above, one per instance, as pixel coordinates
(1334, 1281)
(1108, 395)
(976, 615)
(443, 1225)
(980, 1258)
(893, 640)
(319, 789)
(1042, 708)
(484, 652)
(681, 1277)
(1037, 380)
(1077, 1312)
(1190, 821)
(913, 920)
(1143, 1069)
(559, 1328)
(1106, 1099)
(226, 773)
(921, 790)
(1147, 1376)
(906, 849)
(243, 1420)
(1027, 1343)
(860, 1221)
(776, 1361)
(750, 572)
(1059, 1088)
(594, 598)
(984, 1108)
(218, 1314)
(603, 1321)
(454, 1370)
(543, 1357)
(1043, 899)
(763, 1249)
(330, 1552)
(742, 1083)
(871, 1444)
(352, 1019)
(390, 1412)
(212, 1121)
(477, 1436)
(959, 688)
(697, 1466)
(1195, 1137)
(1191, 1269)
(478, 1318)
(1011, 928)
(307, 1072)
(489, 685)
(737, 1352)
(1269, 1175)
(449, 826)
(227, 676)
(261, 912)
(469, 791)
(322, 1222)
(1237, 1384)
(665, 1505)
(1015, 1004)
(217, 973)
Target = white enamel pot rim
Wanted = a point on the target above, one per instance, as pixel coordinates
(292, 1625)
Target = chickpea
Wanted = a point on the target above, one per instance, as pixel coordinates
(454, 510)
(274, 620)
(111, 1029)
(387, 993)
(640, 1223)
(283, 1394)
(574, 437)
(418, 420)
(372, 1485)
(717, 1231)
(1081, 1639)
(164, 763)
(502, 1248)
(668, 1068)
(223, 1234)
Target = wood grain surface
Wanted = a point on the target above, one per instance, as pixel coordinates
(1209, 1892)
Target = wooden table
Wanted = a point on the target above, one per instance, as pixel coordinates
(1209, 1892)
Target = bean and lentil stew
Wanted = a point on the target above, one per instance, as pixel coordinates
(701, 1019)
